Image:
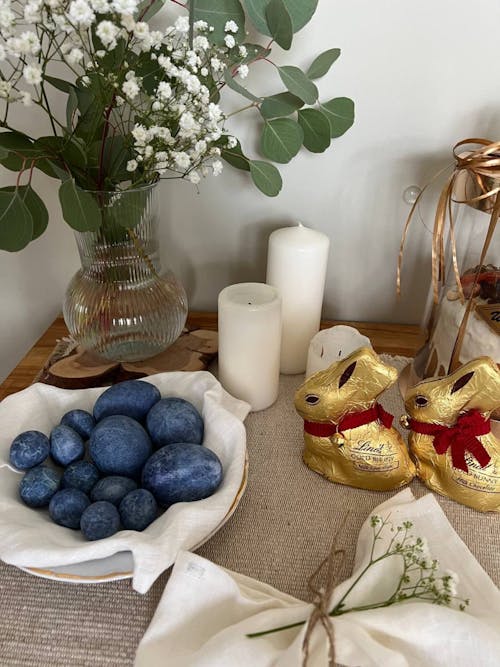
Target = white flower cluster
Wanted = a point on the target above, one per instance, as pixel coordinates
(173, 125)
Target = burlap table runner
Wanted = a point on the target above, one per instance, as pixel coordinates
(279, 534)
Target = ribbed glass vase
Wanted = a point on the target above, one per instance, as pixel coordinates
(121, 304)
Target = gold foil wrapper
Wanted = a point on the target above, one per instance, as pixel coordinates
(474, 386)
(370, 456)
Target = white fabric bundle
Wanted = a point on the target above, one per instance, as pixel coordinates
(206, 612)
(28, 537)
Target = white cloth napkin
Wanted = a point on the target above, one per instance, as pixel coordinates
(28, 537)
(206, 611)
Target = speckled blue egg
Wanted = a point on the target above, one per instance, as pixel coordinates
(182, 472)
(80, 421)
(29, 449)
(119, 446)
(174, 420)
(113, 489)
(138, 509)
(81, 475)
(100, 520)
(133, 398)
(67, 506)
(66, 445)
(38, 486)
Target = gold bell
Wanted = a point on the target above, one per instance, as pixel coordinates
(404, 420)
(338, 439)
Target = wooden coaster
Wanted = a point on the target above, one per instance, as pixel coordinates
(78, 369)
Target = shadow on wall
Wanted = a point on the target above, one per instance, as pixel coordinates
(249, 263)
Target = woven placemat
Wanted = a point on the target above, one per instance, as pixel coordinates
(279, 534)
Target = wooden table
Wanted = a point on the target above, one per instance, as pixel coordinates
(390, 338)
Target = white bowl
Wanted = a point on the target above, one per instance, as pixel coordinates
(31, 541)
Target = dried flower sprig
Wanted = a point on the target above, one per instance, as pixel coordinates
(419, 578)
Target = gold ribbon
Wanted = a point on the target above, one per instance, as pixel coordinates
(482, 169)
(322, 588)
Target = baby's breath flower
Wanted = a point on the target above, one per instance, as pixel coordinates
(132, 165)
(217, 167)
(26, 98)
(124, 6)
(243, 71)
(107, 33)
(80, 13)
(33, 74)
(231, 26)
(229, 41)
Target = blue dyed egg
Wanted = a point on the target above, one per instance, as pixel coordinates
(67, 506)
(80, 421)
(138, 509)
(100, 520)
(38, 486)
(182, 472)
(112, 489)
(66, 445)
(29, 449)
(119, 446)
(174, 420)
(81, 475)
(133, 398)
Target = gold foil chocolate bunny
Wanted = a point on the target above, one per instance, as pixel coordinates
(450, 435)
(348, 436)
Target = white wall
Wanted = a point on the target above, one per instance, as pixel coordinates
(422, 75)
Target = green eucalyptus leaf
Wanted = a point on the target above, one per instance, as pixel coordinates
(235, 157)
(281, 139)
(282, 104)
(71, 108)
(148, 9)
(128, 209)
(298, 84)
(301, 12)
(17, 146)
(36, 207)
(150, 72)
(16, 223)
(340, 114)
(279, 23)
(80, 210)
(320, 65)
(316, 130)
(60, 84)
(266, 177)
(239, 88)
(216, 13)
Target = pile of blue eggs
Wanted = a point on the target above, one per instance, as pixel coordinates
(119, 467)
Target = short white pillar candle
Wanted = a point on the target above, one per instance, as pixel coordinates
(333, 344)
(296, 265)
(249, 316)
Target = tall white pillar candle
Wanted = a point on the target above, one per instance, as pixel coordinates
(296, 266)
(249, 316)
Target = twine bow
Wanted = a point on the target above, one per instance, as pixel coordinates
(460, 438)
(322, 589)
(482, 167)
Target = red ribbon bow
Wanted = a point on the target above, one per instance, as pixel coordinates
(460, 438)
(352, 420)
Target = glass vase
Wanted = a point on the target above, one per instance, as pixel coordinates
(122, 305)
